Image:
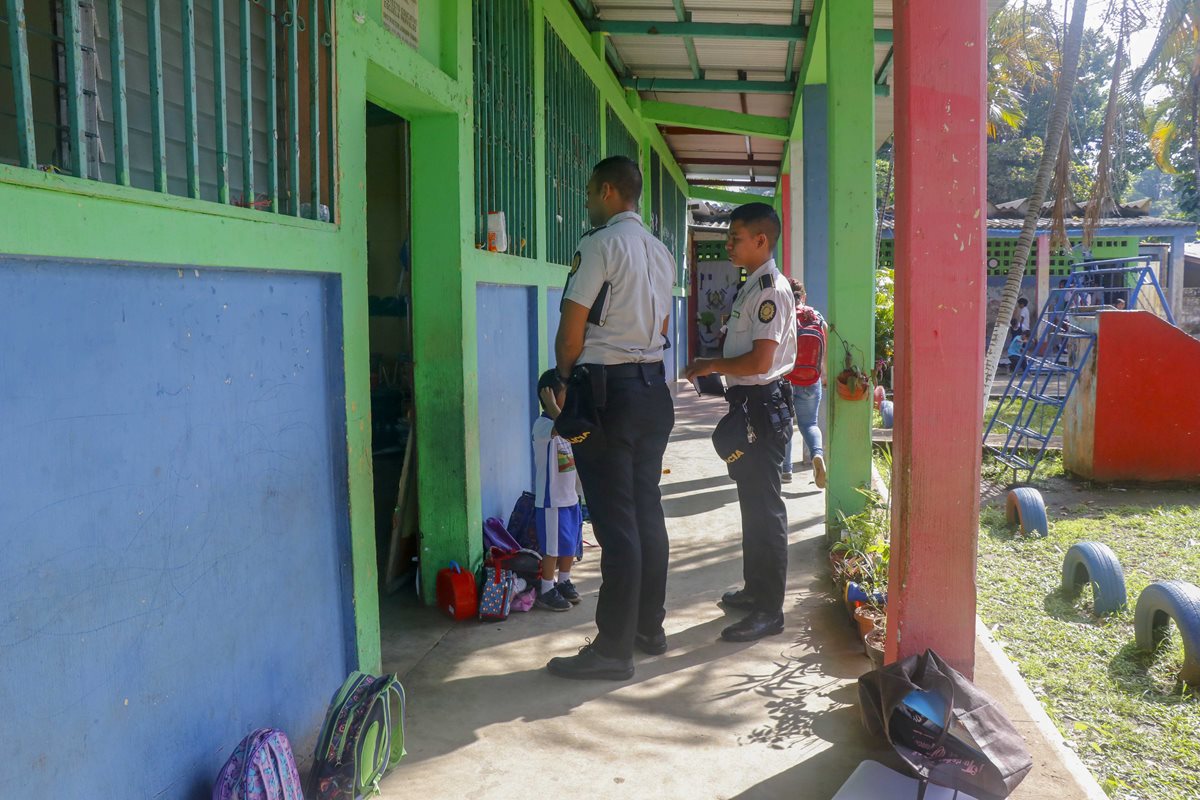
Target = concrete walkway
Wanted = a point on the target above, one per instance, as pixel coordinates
(773, 719)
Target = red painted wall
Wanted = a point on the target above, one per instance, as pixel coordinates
(1147, 413)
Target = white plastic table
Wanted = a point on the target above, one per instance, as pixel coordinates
(873, 781)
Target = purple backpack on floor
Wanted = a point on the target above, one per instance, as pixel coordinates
(260, 768)
(496, 535)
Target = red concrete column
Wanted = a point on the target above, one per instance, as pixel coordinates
(940, 88)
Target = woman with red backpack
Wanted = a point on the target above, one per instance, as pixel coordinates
(805, 381)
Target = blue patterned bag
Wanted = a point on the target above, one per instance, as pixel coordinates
(496, 600)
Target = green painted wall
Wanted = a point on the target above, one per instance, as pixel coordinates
(432, 88)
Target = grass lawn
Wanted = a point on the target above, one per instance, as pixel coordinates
(1122, 711)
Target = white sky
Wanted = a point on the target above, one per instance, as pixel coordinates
(1140, 42)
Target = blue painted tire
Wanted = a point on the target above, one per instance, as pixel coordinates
(887, 411)
(1158, 605)
(1097, 564)
(1026, 510)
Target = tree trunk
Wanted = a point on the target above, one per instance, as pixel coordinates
(1103, 202)
(1050, 153)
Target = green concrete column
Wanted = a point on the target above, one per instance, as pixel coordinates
(850, 44)
(444, 341)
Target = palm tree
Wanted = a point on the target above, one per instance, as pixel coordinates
(1102, 202)
(1054, 138)
(1022, 57)
(1174, 63)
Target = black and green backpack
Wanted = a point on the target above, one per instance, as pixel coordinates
(362, 738)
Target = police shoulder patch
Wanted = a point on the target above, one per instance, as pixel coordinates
(766, 311)
(575, 262)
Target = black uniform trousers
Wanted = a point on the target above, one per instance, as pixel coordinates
(760, 497)
(620, 472)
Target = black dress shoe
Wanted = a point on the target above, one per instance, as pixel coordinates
(755, 626)
(590, 665)
(653, 645)
(739, 599)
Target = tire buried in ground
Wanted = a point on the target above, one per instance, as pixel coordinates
(1097, 564)
(1026, 510)
(1161, 603)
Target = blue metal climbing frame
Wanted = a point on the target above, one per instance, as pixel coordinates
(1063, 339)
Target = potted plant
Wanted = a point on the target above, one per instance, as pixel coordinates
(852, 383)
(874, 643)
(869, 616)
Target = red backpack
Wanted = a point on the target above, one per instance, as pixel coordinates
(810, 348)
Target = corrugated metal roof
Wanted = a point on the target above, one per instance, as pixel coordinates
(722, 59)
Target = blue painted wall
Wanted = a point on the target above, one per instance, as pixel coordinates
(173, 522)
(816, 196)
(507, 341)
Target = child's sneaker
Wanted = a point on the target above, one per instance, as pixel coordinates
(552, 601)
(568, 592)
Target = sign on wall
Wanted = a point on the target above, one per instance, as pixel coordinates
(400, 17)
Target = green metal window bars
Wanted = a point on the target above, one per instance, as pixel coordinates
(572, 148)
(504, 146)
(155, 87)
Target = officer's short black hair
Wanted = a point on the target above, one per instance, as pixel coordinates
(623, 174)
(1022, 302)
(548, 380)
(759, 218)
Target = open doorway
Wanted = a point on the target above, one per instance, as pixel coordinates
(389, 289)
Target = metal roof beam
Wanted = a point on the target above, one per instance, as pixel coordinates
(790, 70)
(683, 16)
(882, 75)
(711, 30)
(714, 119)
(675, 130)
(586, 11)
(700, 30)
(725, 196)
(728, 162)
(689, 85)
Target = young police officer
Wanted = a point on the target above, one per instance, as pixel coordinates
(614, 320)
(760, 349)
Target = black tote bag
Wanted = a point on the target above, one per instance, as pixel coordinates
(975, 749)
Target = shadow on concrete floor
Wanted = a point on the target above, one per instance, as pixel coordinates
(709, 719)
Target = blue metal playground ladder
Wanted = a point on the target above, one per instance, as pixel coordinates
(1062, 340)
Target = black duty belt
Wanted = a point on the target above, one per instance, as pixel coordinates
(755, 390)
(644, 371)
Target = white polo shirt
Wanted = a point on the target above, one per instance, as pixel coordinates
(764, 308)
(640, 272)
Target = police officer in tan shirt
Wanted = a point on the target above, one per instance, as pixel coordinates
(759, 350)
(614, 319)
